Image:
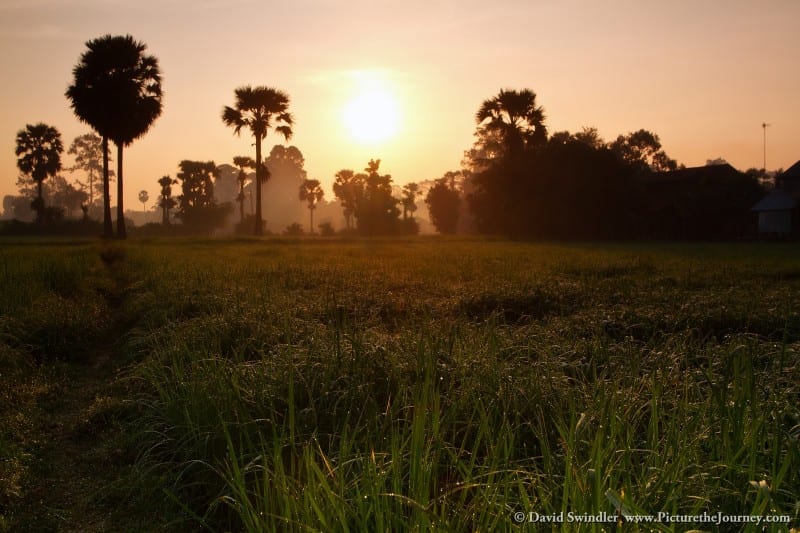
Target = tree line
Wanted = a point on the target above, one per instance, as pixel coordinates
(516, 180)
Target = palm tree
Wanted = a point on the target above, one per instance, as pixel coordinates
(311, 192)
(143, 197)
(117, 91)
(39, 149)
(259, 109)
(243, 162)
(166, 201)
(511, 121)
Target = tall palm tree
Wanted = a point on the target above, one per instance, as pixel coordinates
(39, 149)
(259, 109)
(143, 197)
(311, 192)
(243, 162)
(166, 201)
(117, 91)
(513, 120)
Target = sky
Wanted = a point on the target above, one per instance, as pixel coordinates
(703, 75)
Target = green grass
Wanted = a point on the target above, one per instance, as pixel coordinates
(426, 384)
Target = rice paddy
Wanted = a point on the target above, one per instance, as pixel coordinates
(421, 384)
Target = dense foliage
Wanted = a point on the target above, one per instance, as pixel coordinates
(576, 186)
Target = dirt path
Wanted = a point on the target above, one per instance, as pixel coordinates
(77, 463)
(73, 456)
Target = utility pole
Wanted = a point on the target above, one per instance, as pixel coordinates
(764, 126)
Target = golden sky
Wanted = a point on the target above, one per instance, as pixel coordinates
(702, 74)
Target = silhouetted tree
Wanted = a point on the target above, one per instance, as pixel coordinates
(88, 152)
(311, 192)
(285, 165)
(39, 151)
(143, 197)
(587, 136)
(444, 204)
(259, 109)
(509, 128)
(642, 149)
(347, 188)
(509, 123)
(166, 201)
(64, 195)
(294, 230)
(409, 199)
(242, 162)
(197, 208)
(117, 91)
(376, 209)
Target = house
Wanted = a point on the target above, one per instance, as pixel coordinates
(711, 202)
(778, 214)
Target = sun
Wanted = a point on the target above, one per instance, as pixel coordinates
(372, 116)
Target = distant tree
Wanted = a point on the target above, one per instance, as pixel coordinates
(347, 188)
(165, 200)
(409, 199)
(117, 91)
(64, 195)
(259, 109)
(588, 136)
(39, 151)
(444, 204)
(197, 208)
(717, 161)
(510, 123)
(88, 152)
(143, 197)
(766, 178)
(642, 149)
(242, 162)
(326, 229)
(311, 192)
(285, 165)
(286, 161)
(376, 210)
(510, 128)
(294, 230)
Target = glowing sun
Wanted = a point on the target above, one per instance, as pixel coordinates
(372, 116)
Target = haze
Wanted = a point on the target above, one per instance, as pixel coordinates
(704, 76)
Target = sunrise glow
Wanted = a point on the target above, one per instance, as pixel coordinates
(372, 116)
(371, 113)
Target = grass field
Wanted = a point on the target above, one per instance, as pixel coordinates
(420, 384)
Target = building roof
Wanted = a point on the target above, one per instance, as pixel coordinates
(792, 173)
(777, 200)
(724, 171)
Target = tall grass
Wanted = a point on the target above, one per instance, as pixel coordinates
(428, 384)
(446, 387)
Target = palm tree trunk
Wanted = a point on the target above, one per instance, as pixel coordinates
(108, 229)
(121, 233)
(311, 211)
(39, 202)
(241, 202)
(259, 229)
